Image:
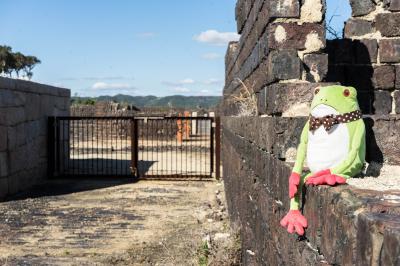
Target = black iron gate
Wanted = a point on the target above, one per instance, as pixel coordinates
(147, 147)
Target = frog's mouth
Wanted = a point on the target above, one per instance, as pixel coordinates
(322, 110)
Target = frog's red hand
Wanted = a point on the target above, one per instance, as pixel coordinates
(294, 181)
(294, 221)
(325, 177)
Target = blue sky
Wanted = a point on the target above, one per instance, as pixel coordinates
(98, 47)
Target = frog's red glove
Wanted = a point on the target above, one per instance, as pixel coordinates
(294, 181)
(294, 221)
(325, 177)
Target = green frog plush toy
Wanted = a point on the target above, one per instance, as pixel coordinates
(332, 142)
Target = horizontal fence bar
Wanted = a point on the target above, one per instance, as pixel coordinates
(151, 147)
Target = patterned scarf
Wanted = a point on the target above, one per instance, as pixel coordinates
(330, 120)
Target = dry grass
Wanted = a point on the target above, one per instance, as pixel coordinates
(246, 100)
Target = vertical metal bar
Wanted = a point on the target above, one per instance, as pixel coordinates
(134, 147)
(217, 148)
(212, 147)
(51, 124)
(57, 146)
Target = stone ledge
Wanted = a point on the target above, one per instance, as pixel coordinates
(280, 135)
(361, 223)
(32, 87)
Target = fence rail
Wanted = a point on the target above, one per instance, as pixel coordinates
(159, 147)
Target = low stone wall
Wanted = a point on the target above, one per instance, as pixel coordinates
(347, 226)
(24, 110)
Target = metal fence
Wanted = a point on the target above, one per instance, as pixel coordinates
(152, 147)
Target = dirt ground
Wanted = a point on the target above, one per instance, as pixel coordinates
(118, 222)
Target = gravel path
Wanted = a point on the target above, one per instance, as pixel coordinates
(109, 222)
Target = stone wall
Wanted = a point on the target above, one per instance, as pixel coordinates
(368, 57)
(24, 110)
(347, 226)
(281, 57)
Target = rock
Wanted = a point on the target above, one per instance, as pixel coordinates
(361, 7)
(388, 24)
(397, 101)
(389, 50)
(283, 8)
(394, 5)
(357, 27)
(383, 102)
(317, 65)
(384, 77)
(284, 64)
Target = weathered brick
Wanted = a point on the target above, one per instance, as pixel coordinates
(290, 99)
(3, 187)
(293, 36)
(340, 51)
(384, 77)
(3, 164)
(366, 51)
(397, 83)
(389, 50)
(357, 27)
(284, 64)
(397, 101)
(388, 24)
(284, 8)
(383, 102)
(317, 66)
(394, 5)
(362, 7)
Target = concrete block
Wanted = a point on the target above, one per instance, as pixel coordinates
(10, 98)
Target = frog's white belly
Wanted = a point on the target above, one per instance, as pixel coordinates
(327, 149)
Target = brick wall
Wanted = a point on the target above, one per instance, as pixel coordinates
(24, 109)
(368, 57)
(281, 57)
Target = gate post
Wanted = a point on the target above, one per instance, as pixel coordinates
(218, 148)
(134, 147)
(51, 154)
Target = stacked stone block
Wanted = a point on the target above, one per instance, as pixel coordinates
(24, 111)
(368, 57)
(281, 42)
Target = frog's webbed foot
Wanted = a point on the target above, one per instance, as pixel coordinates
(325, 177)
(294, 221)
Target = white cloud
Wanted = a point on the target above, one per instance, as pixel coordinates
(112, 86)
(181, 89)
(217, 38)
(213, 82)
(146, 35)
(210, 56)
(180, 83)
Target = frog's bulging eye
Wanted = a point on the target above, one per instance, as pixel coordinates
(316, 91)
(346, 93)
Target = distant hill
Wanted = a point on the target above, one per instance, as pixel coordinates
(176, 101)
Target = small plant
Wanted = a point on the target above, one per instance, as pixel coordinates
(203, 253)
(246, 100)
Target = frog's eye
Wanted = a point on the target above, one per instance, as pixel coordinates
(346, 93)
(316, 91)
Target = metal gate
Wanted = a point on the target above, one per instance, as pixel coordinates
(146, 147)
